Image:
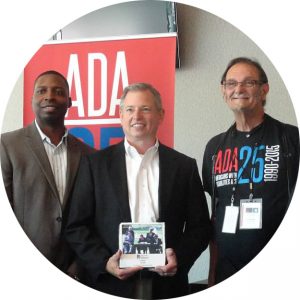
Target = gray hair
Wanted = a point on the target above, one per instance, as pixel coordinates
(142, 86)
(245, 60)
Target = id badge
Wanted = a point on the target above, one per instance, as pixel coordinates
(251, 213)
(230, 219)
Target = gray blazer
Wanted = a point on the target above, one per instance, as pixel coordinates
(32, 192)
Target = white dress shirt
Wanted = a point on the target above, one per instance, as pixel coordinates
(143, 180)
(57, 156)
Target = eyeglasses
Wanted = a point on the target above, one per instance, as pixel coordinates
(231, 84)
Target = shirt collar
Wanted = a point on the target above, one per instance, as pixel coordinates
(44, 137)
(132, 152)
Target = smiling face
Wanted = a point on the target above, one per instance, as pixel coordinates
(140, 117)
(243, 99)
(50, 100)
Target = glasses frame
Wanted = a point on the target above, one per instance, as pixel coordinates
(232, 84)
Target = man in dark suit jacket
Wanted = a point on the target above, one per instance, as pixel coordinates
(27, 172)
(104, 196)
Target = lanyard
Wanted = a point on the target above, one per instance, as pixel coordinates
(249, 166)
(234, 188)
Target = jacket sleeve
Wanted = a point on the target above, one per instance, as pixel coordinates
(292, 156)
(80, 232)
(7, 171)
(207, 170)
(197, 231)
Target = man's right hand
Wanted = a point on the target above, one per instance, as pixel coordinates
(112, 267)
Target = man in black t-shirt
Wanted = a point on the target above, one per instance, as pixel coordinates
(250, 171)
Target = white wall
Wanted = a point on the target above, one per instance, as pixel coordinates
(207, 43)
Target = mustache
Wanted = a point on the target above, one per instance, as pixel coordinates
(239, 95)
(48, 103)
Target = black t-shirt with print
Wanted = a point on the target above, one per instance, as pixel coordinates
(233, 160)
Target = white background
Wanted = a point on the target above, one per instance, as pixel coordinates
(26, 25)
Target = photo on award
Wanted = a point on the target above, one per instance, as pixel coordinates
(142, 244)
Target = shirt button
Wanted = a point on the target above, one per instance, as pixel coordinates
(59, 219)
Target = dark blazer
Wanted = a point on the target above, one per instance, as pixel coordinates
(100, 203)
(32, 192)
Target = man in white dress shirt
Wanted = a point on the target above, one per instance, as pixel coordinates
(138, 180)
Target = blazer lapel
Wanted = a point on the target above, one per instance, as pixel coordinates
(73, 158)
(118, 177)
(35, 143)
(167, 172)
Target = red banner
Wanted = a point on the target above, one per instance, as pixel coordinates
(97, 72)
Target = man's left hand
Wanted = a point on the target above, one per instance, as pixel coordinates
(170, 268)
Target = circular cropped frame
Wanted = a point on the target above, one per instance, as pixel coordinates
(206, 43)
